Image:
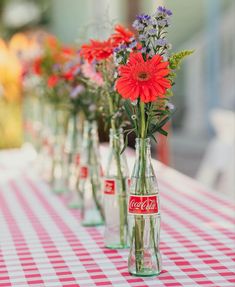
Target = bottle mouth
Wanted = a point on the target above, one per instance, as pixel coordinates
(142, 140)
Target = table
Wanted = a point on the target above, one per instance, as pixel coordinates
(43, 244)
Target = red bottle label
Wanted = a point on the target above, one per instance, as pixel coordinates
(109, 186)
(143, 204)
(77, 159)
(83, 172)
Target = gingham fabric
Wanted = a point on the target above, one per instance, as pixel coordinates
(42, 242)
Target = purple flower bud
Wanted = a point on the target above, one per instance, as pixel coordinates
(117, 49)
(143, 17)
(123, 47)
(142, 37)
(133, 44)
(161, 42)
(152, 32)
(137, 25)
(170, 106)
(163, 22)
(165, 11)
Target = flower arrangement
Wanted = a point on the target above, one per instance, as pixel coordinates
(100, 55)
(146, 73)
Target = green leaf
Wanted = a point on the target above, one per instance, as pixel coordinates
(129, 112)
(126, 140)
(176, 59)
(153, 137)
(163, 132)
(164, 121)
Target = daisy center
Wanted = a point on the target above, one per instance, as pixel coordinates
(143, 76)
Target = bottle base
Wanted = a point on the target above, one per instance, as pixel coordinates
(116, 246)
(74, 205)
(145, 272)
(58, 191)
(92, 224)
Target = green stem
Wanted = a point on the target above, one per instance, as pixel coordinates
(139, 219)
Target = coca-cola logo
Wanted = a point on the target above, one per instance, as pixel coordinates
(141, 204)
(109, 186)
(83, 172)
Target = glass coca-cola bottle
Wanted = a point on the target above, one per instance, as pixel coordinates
(72, 158)
(115, 194)
(144, 215)
(90, 177)
(58, 177)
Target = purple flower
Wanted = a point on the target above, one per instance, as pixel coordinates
(161, 42)
(117, 49)
(76, 91)
(133, 44)
(152, 32)
(143, 17)
(163, 22)
(137, 25)
(123, 47)
(165, 11)
(142, 37)
(170, 106)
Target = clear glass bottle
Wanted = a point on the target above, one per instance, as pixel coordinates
(57, 174)
(90, 181)
(44, 161)
(144, 215)
(115, 194)
(72, 158)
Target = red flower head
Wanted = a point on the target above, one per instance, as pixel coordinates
(67, 51)
(71, 73)
(144, 79)
(52, 81)
(37, 66)
(97, 50)
(51, 42)
(122, 35)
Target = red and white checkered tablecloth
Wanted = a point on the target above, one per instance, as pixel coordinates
(43, 244)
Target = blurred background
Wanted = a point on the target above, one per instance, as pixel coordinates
(202, 138)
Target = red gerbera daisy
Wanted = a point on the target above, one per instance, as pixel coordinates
(52, 81)
(144, 79)
(37, 66)
(121, 35)
(97, 50)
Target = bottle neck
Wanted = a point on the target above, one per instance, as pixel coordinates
(143, 149)
(116, 137)
(60, 119)
(90, 131)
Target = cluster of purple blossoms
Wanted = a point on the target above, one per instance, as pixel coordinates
(151, 31)
(143, 18)
(163, 10)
